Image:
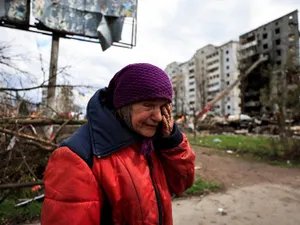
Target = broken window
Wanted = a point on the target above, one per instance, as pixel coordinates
(278, 42)
(278, 52)
(265, 36)
(227, 60)
(277, 31)
(265, 46)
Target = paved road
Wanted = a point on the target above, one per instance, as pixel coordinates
(265, 204)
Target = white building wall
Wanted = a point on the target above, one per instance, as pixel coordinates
(172, 70)
(230, 68)
(201, 76)
(191, 84)
(216, 68)
(214, 85)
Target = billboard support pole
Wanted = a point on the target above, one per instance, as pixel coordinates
(52, 81)
(53, 72)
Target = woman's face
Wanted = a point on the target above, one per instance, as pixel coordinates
(146, 116)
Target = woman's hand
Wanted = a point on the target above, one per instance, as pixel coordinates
(167, 120)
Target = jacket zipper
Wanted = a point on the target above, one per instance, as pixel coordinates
(159, 205)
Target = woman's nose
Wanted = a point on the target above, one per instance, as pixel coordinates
(156, 115)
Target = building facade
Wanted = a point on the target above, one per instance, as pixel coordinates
(189, 82)
(230, 105)
(222, 70)
(197, 81)
(212, 69)
(277, 39)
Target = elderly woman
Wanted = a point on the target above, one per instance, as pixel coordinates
(125, 163)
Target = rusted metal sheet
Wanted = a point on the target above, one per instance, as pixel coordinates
(101, 19)
(16, 11)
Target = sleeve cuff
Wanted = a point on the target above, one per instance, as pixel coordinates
(169, 142)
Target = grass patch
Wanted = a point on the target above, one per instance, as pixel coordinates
(266, 148)
(259, 146)
(201, 187)
(9, 214)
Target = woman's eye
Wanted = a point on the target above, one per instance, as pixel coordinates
(148, 105)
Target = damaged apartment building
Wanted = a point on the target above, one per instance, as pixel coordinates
(200, 79)
(213, 68)
(277, 39)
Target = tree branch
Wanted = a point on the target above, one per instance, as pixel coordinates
(41, 122)
(39, 146)
(43, 86)
(63, 125)
(29, 137)
(20, 185)
(26, 164)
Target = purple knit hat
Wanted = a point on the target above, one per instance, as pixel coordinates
(138, 82)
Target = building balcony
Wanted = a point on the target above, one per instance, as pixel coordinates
(251, 93)
(192, 86)
(213, 72)
(252, 104)
(212, 57)
(214, 88)
(247, 54)
(213, 66)
(191, 66)
(248, 45)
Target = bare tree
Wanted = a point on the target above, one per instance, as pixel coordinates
(11, 76)
(281, 97)
(200, 102)
(24, 149)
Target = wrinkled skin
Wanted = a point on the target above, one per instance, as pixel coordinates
(146, 116)
(167, 120)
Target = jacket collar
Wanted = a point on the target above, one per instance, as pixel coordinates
(107, 133)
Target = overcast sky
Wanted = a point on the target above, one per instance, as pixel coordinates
(168, 30)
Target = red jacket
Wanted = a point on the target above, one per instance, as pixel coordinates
(123, 186)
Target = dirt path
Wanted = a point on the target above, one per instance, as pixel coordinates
(234, 172)
(265, 204)
(255, 193)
